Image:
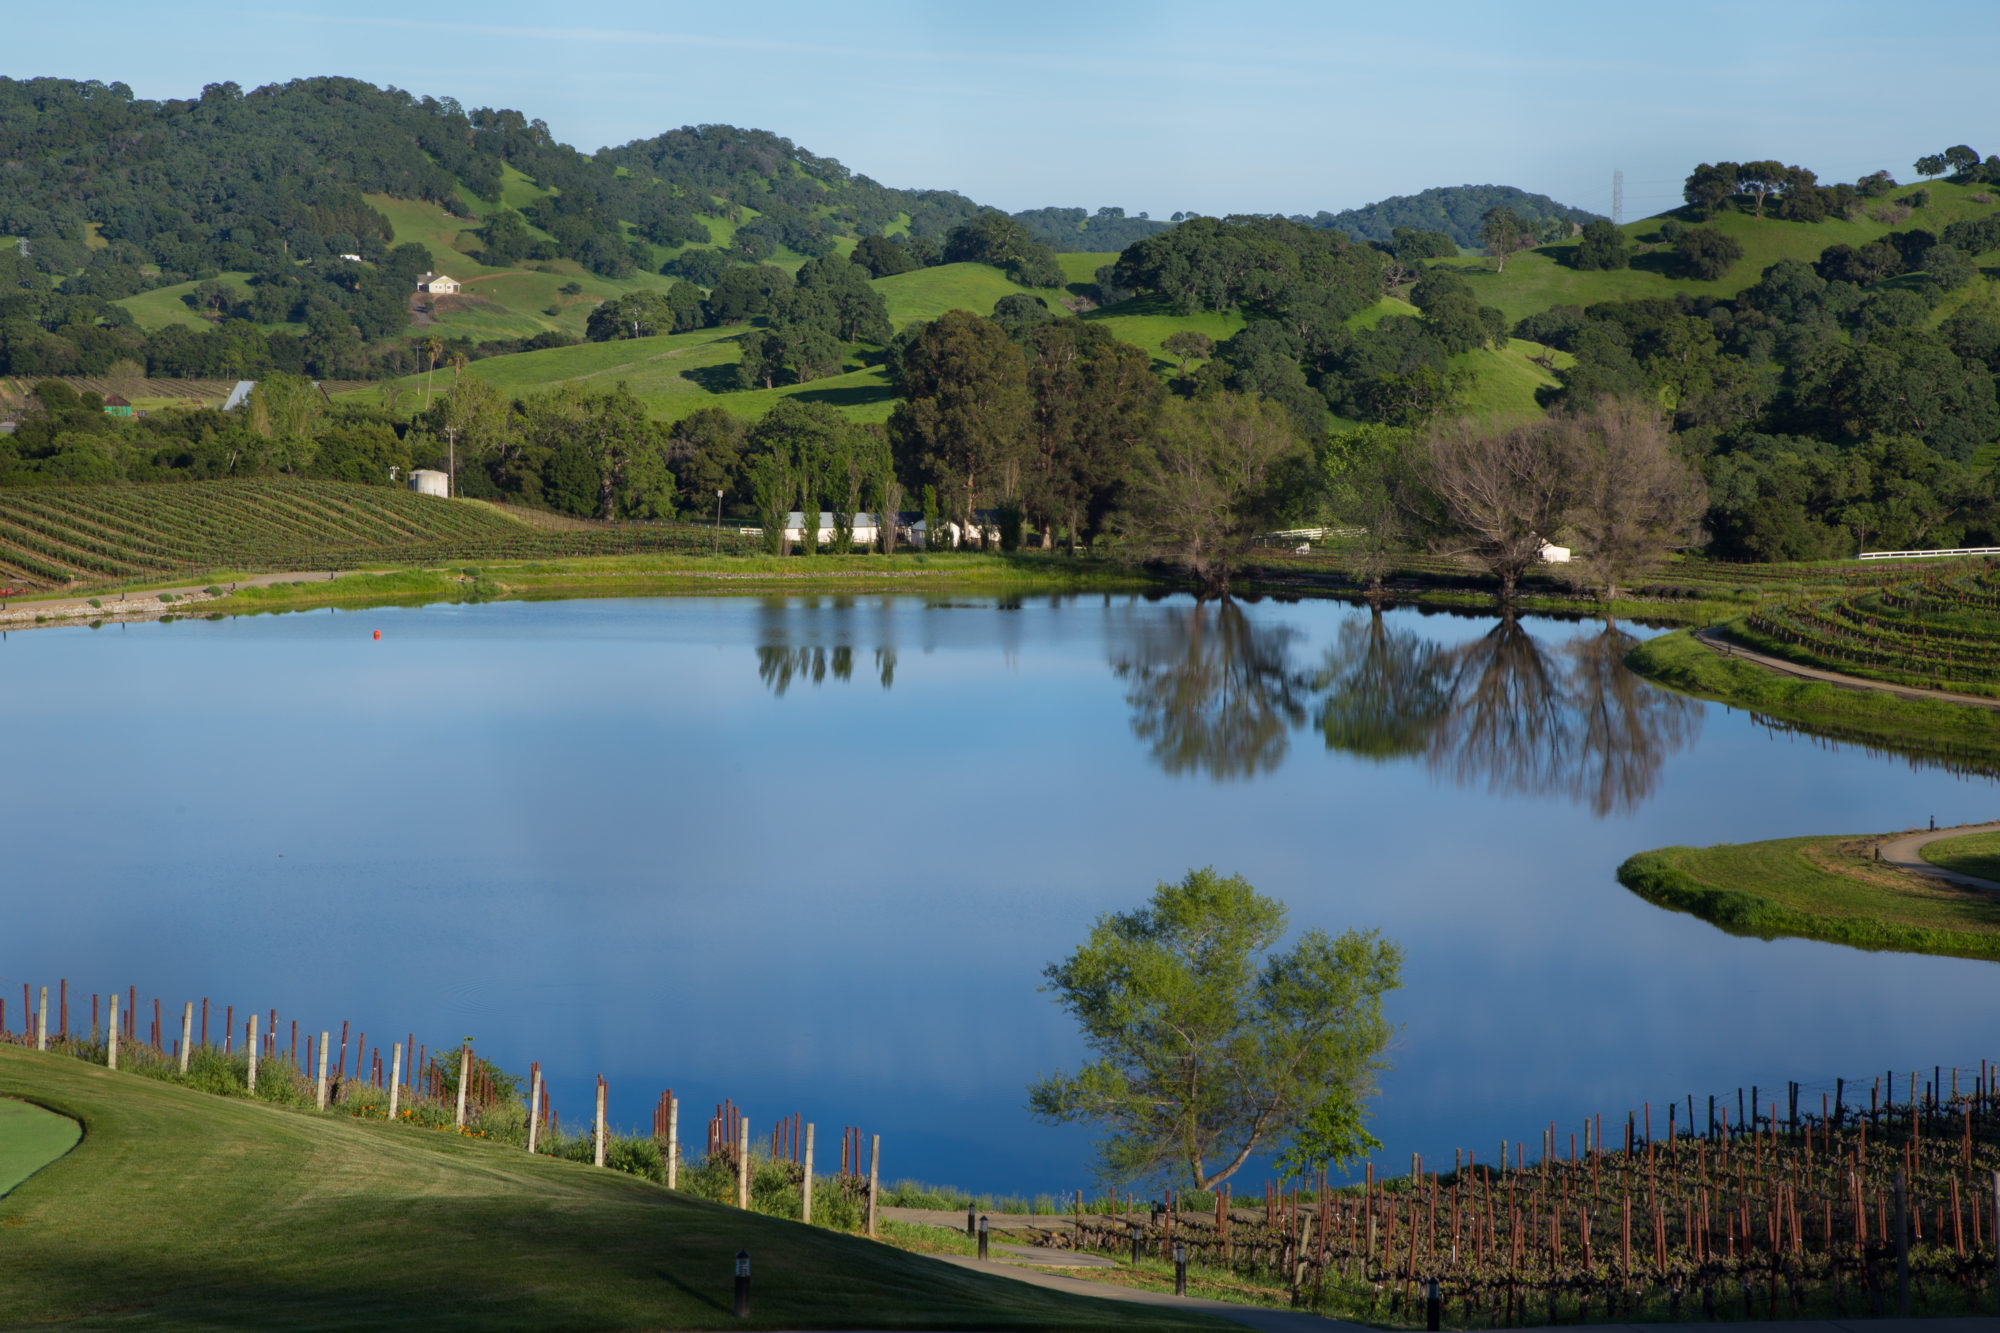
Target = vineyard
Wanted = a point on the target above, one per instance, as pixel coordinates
(1936, 630)
(53, 537)
(1784, 1212)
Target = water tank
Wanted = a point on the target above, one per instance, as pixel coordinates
(426, 481)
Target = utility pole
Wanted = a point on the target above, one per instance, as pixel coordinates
(1618, 197)
(451, 455)
(718, 520)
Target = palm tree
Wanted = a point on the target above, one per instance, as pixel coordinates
(433, 349)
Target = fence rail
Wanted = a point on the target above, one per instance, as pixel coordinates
(1928, 555)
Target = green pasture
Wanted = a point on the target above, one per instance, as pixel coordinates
(926, 293)
(1537, 279)
(182, 1209)
(30, 1138)
(1823, 888)
(1977, 854)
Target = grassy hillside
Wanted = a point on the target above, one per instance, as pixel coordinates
(184, 1210)
(62, 535)
(1538, 279)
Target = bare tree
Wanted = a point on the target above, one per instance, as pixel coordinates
(1635, 498)
(1210, 480)
(1502, 496)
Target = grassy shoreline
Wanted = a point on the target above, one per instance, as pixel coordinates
(1819, 888)
(1926, 729)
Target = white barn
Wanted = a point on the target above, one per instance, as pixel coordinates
(438, 284)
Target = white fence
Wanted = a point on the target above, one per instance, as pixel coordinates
(1928, 555)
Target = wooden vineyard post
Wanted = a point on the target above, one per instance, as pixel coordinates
(743, 1163)
(111, 1051)
(322, 1068)
(674, 1151)
(597, 1153)
(874, 1179)
(1903, 1234)
(187, 1032)
(1996, 1236)
(253, 1045)
(42, 1023)
(464, 1077)
(806, 1184)
(534, 1106)
(396, 1088)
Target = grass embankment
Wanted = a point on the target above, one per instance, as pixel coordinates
(1930, 729)
(1819, 888)
(1976, 854)
(684, 576)
(180, 1209)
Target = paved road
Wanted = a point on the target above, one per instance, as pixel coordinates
(1726, 648)
(1906, 853)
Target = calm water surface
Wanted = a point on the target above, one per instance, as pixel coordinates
(812, 853)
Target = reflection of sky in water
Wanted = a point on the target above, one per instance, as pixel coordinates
(598, 835)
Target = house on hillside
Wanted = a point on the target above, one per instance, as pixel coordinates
(117, 405)
(438, 284)
(239, 395)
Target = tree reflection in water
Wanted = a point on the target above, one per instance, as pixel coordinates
(1210, 691)
(1214, 693)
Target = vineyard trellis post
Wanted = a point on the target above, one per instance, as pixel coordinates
(1903, 1228)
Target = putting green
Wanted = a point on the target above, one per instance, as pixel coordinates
(31, 1138)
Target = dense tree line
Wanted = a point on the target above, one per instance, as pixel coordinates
(1458, 211)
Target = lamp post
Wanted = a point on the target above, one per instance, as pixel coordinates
(982, 1238)
(718, 520)
(1136, 1234)
(1180, 1270)
(743, 1284)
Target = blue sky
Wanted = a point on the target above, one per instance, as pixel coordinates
(1287, 107)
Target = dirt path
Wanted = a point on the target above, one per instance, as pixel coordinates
(1906, 853)
(16, 613)
(1725, 648)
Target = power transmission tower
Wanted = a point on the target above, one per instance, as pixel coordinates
(1618, 197)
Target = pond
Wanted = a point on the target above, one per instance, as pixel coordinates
(812, 853)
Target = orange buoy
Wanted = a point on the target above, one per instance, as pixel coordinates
(378, 634)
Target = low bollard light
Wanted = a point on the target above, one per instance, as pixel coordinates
(1180, 1270)
(743, 1284)
(969, 1228)
(1136, 1235)
(982, 1238)
(1433, 1307)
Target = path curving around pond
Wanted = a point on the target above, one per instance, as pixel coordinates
(31, 1137)
(1906, 853)
(1722, 647)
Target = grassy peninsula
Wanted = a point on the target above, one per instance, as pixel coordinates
(1818, 888)
(1932, 730)
(316, 1220)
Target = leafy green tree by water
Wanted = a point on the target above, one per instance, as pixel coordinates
(1208, 1044)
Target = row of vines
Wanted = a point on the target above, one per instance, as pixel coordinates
(1937, 629)
(91, 534)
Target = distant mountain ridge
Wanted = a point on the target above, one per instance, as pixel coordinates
(1454, 210)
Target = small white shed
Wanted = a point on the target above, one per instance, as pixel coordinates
(429, 481)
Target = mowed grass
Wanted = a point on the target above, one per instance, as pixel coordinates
(1977, 855)
(184, 1210)
(1824, 888)
(30, 1138)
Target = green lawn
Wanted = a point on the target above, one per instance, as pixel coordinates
(1977, 855)
(1824, 888)
(163, 305)
(30, 1138)
(184, 1210)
